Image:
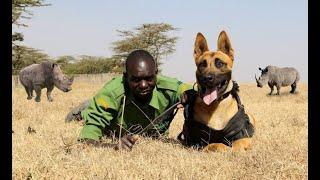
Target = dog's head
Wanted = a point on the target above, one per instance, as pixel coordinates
(214, 68)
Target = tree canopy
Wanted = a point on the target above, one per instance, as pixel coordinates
(153, 38)
(85, 64)
(23, 56)
(20, 10)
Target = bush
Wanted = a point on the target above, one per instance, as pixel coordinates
(93, 66)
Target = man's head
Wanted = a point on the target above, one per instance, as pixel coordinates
(141, 74)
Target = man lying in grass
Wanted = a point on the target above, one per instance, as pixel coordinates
(138, 102)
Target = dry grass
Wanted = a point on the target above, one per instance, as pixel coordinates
(279, 151)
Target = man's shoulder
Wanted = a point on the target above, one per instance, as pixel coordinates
(168, 83)
(114, 87)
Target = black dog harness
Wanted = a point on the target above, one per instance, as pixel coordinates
(199, 135)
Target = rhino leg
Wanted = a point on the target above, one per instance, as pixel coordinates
(29, 92)
(293, 88)
(278, 90)
(49, 90)
(271, 87)
(37, 88)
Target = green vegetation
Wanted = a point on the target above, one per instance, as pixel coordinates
(90, 65)
(23, 56)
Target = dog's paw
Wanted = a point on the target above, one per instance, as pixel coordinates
(241, 145)
(216, 147)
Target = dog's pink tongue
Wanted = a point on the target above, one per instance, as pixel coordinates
(209, 96)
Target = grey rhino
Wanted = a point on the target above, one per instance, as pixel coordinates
(44, 75)
(279, 77)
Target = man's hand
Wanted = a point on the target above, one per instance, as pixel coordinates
(185, 97)
(126, 142)
(184, 100)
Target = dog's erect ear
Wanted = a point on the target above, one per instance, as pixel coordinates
(224, 44)
(200, 46)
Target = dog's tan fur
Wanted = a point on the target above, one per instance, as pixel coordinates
(217, 114)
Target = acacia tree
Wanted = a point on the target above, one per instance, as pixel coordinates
(23, 56)
(21, 10)
(153, 38)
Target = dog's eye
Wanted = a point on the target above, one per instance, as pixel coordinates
(219, 63)
(203, 64)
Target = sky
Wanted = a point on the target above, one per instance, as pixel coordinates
(262, 33)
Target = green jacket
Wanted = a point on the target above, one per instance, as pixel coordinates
(105, 109)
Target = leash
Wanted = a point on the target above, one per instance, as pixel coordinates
(151, 121)
(156, 119)
(121, 120)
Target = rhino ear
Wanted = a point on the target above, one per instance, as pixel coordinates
(54, 65)
(71, 79)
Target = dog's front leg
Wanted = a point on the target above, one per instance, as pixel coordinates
(216, 147)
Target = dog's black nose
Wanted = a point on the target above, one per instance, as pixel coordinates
(209, 78)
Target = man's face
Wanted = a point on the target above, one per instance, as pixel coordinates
(141, 78)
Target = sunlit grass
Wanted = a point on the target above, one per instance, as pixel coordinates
(279, 146)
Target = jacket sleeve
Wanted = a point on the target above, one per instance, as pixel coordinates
(181, 89)
(102, 109)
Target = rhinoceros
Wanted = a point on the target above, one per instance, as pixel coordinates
(279, 77)
(44, 75)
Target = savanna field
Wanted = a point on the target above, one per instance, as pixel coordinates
(45, 147)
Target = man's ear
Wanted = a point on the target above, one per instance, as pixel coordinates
(224, 44)
(200, 46)
(125, 74)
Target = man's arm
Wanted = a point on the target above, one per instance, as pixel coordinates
(102, 109)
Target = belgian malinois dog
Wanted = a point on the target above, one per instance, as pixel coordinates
(215, 119)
